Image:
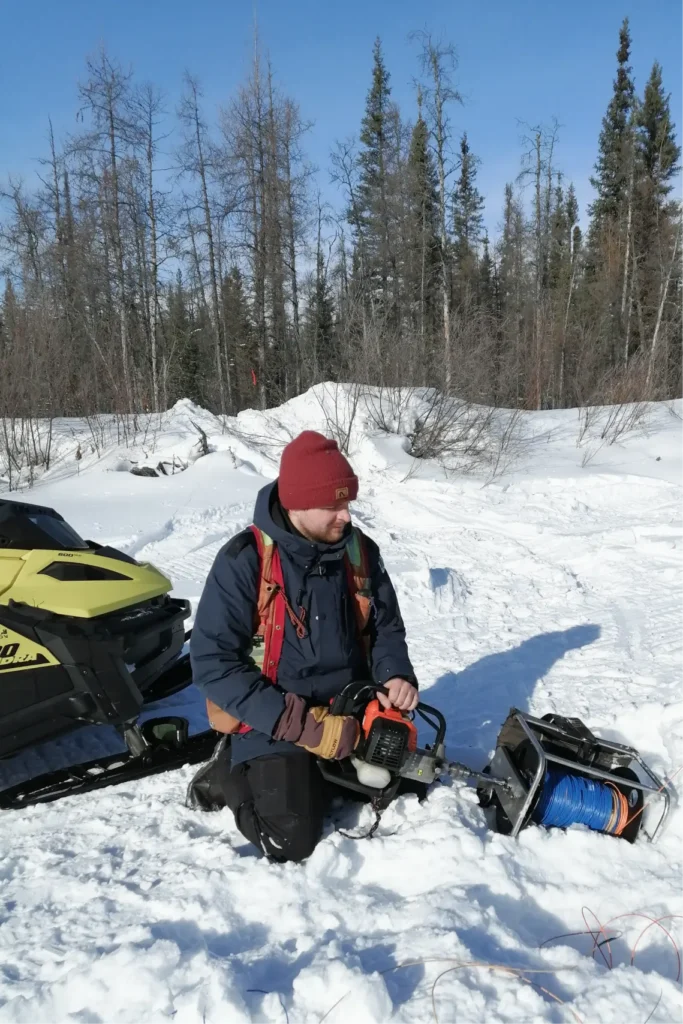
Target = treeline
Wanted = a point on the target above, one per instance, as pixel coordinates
(163, 259)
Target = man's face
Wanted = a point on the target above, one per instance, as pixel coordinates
(324, 525)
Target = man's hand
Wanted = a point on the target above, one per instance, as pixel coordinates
(330, 736)
(402, 695)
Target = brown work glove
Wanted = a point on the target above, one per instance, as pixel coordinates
(332, 737)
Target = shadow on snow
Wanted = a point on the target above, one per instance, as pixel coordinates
(477, 700)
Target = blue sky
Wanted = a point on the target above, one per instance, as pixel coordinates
(520, 60)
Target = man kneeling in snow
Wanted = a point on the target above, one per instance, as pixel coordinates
(278, 712)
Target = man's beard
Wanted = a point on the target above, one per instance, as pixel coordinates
(331, 535)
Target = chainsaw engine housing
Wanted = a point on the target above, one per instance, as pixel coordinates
(387, 737)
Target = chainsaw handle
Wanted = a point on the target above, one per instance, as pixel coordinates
(347, 703)
(423, 711)
(353, 697)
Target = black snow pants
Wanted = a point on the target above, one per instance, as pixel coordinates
(278, 800)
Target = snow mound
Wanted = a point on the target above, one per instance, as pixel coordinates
(553, 583)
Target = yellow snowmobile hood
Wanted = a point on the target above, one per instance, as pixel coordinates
(82, 584)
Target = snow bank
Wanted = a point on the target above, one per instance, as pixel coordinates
(555, 586)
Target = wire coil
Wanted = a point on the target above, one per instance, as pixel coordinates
(568, 799)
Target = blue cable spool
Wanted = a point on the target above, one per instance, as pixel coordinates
(567, 799)
(560, 795)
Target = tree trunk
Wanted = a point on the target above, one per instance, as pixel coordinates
(445, 277)
(563, 351)
(273, 240)
(208, 228)
(118, 254)
(624, 287)
(660, 311)
(291, 242)
(154, 268)
(538, 217)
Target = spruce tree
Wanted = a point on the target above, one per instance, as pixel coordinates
(182, 377)
(373, 216)
(513, 279)
(656, 143)
(468, 220)
(8, 317)
(423, 264)
(487, 280)
(240, 331)
(565, 214)
(563, 265)
(611, 180)
(319, 322)
(575, 236)
(572, 208)
(656, 223)
(560, 241)
(610, 256)
(507, 250)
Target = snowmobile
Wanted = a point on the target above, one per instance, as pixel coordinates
(88, 635)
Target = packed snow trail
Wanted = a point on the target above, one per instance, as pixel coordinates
(556, 587)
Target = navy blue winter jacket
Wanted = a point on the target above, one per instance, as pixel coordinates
(316, 667)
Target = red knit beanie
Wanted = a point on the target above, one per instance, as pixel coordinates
(314, 473)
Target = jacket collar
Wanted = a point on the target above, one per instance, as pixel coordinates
(270, 517)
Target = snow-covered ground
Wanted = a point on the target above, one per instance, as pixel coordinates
(555, 587)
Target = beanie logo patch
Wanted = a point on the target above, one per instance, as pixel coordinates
(341, 493)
